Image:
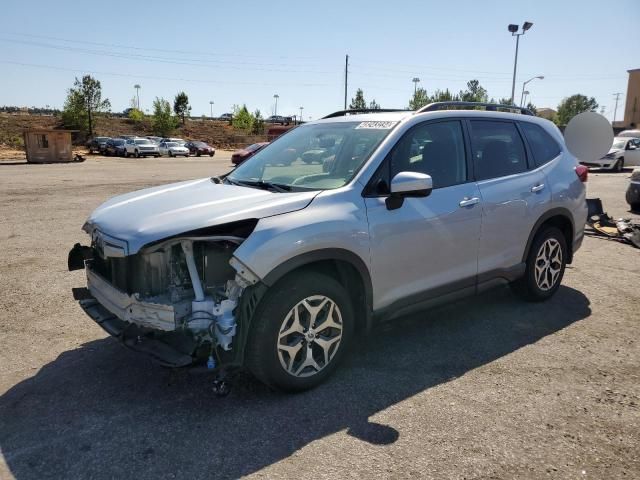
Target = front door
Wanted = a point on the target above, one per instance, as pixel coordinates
(428, 246)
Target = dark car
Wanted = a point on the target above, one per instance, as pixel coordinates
(114, 147)
(241, 155)
(279, 119)
(97, 144)
(200, 148)
(226, 117)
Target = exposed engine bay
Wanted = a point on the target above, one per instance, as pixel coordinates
(183, 292)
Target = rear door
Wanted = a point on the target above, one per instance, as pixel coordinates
(514, 194)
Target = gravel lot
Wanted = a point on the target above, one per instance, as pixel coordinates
(485, 388)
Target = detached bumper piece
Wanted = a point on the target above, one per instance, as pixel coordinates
(622, 230)
(77, 256)
(169, 351)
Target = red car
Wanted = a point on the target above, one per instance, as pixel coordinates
(200, 148)
(240, 156)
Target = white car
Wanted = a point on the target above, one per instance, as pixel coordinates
(179, 141)
(625, 151)
(140, 147)
(173, 149)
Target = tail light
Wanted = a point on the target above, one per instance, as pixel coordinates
(582, 172)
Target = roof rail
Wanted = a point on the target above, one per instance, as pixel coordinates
(344, 113)
(493, 107)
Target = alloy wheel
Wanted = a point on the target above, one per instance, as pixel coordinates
(310, 336)
(548, 264)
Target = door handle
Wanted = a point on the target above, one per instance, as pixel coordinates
(537, 188)
(467, 202)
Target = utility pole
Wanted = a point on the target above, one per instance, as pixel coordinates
(346, 77)
(275, 112)
(211, 105)
(415, 81)
(615, 110)
(301, 108)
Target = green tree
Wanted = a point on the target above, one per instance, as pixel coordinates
(373, 105)
(163, 121)
(474, 92)
(358, 102)
(181, 105)
(419, 99)
(83, 101)
(242, 118)
(573, 105)
(444, 96)
(258, 123)
(533, 108)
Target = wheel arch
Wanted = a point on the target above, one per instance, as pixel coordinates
(347, 267)
(560, 218)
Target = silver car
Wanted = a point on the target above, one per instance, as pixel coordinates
(278, 265)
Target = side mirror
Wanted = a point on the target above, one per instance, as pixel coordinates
(408, 184)
(631, 147)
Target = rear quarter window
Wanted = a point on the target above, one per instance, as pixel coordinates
(543, 147)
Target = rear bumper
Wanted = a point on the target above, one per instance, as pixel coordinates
(134, 337)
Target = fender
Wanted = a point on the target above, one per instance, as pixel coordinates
(327, 254)
(554, 212)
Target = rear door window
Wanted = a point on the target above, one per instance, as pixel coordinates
(543, 147)
(498, 149)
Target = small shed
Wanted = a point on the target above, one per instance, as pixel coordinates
(46, 145)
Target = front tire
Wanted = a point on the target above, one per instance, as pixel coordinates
(545, 266)
(301, 330)
(619, 166)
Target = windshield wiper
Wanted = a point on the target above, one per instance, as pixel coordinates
(278, 187)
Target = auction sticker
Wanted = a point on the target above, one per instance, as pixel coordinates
(377, 125)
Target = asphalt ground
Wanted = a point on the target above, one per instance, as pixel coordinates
(488, 387)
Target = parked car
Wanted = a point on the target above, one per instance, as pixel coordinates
(633, 191)
(200, 148)
(175, 140)
(625, 151)
(173, 149)
(278, 269)
(243, 154)
(629, 133)
(226, 117)
(279, 119)
(97, 144)
(115, 147)
(140, 147)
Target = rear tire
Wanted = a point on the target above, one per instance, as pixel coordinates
(318, 313)
(545, 266)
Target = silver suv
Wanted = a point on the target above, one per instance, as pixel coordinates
(276, 265)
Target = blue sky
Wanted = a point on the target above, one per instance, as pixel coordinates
(247, 51)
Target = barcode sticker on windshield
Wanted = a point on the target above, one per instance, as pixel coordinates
(377, 125)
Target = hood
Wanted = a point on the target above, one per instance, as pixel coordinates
(153, 214)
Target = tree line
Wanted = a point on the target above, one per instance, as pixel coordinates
(84, 102)
(566, 110)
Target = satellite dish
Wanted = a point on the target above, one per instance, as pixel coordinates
(588, 136)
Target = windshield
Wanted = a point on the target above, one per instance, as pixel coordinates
(143, 141)
(314, 157)
(618, 144)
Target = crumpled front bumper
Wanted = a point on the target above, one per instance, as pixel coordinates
(135, 337)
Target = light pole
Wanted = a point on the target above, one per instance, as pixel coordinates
(275, 111)
(301, 108)
(137, 87)
(514, 33)
(415, 81)
(525, 93)
(211, 105)
(541, 77)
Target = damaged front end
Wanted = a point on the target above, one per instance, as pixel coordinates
(184, 300)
